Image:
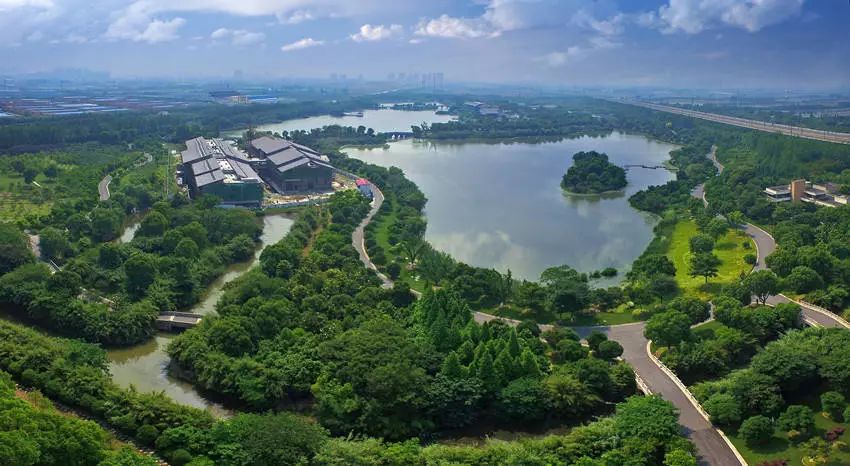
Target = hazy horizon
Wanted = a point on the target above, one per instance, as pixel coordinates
(725, 44)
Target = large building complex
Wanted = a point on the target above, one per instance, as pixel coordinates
(822, 194)
(289, 167)
(218, 167)
(214, 166)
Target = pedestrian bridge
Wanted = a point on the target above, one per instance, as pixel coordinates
(177, 321)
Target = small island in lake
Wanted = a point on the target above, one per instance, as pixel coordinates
(592, 173)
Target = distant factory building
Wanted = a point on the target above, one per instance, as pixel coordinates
(822, 194)
(214, 166)
(291, 168)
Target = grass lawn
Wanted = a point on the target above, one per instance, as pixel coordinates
(728, 249)
(780, 448)
(382, 237)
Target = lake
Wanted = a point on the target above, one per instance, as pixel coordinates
(145, 366)
(382, 121)
(501, 205)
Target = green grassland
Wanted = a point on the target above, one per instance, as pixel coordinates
(729, 249)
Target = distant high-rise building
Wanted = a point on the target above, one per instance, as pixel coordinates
(237, 75)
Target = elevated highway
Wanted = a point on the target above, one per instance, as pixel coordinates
(777, 128)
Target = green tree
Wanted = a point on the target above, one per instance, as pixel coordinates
(570, 397)
(723, 409)
(595, 338)
(14, 248)
(803, 279)
(668, 328)
(762, 284)
(679, 458)
(569, 350)
(452, 368)
(701, 243)
(756, 430)
(141, 273)
(608, 350)
(154, 224)
(704, 265)
(187, 249)
(54, 244)
(797, 418)
(524, 400)
(833, 403)
(696, 309)
(647, 417)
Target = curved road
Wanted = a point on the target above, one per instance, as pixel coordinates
(713, 450)
(711, 447)
(103, 187)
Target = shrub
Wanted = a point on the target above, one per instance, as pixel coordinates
(833, 404)
(394, 270)
(723, 409)
(608, 350)
(797, 418)
(756, 430)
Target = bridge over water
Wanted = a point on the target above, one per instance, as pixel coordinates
(177, 321)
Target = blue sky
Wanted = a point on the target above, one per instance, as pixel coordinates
(795, 44)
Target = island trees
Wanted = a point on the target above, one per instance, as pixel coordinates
(592, 173)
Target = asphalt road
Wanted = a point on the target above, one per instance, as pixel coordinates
(358, 236)
(711, 447)
(103, 187)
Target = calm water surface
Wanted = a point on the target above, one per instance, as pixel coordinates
(501, 205)
(145, 366)
(382, 121)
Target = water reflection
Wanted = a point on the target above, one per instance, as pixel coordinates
(145, 366)
(382, 121)
(501, 205)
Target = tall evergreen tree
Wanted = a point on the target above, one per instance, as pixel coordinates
(451, 367)
(506, 367)
(529, 365)
(513, 344)
(487, 373)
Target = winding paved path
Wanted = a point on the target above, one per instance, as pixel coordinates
(103, 187)
(358, 237)
(711, 447)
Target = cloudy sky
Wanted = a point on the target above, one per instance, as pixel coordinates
(685, 43)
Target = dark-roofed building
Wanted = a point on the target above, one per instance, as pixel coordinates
(291, 167)
(214, 166)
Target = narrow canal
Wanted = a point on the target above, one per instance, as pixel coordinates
(145, 366)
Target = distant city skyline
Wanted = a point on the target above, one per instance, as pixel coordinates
(723, 44)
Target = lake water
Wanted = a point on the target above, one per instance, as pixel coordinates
(382, 121)
(501, 205)
(145, 366)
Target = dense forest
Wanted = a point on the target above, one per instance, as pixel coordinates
(592, 173)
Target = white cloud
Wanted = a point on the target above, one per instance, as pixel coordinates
(160, 31)
(302, 44)
(694, 16)
(296, 17)
(455, 28)
(559, 59)
(238, 36)
(138, 25)
(369, 33)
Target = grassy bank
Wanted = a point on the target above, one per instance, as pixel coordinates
(729, 248)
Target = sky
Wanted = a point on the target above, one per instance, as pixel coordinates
(722, 44)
